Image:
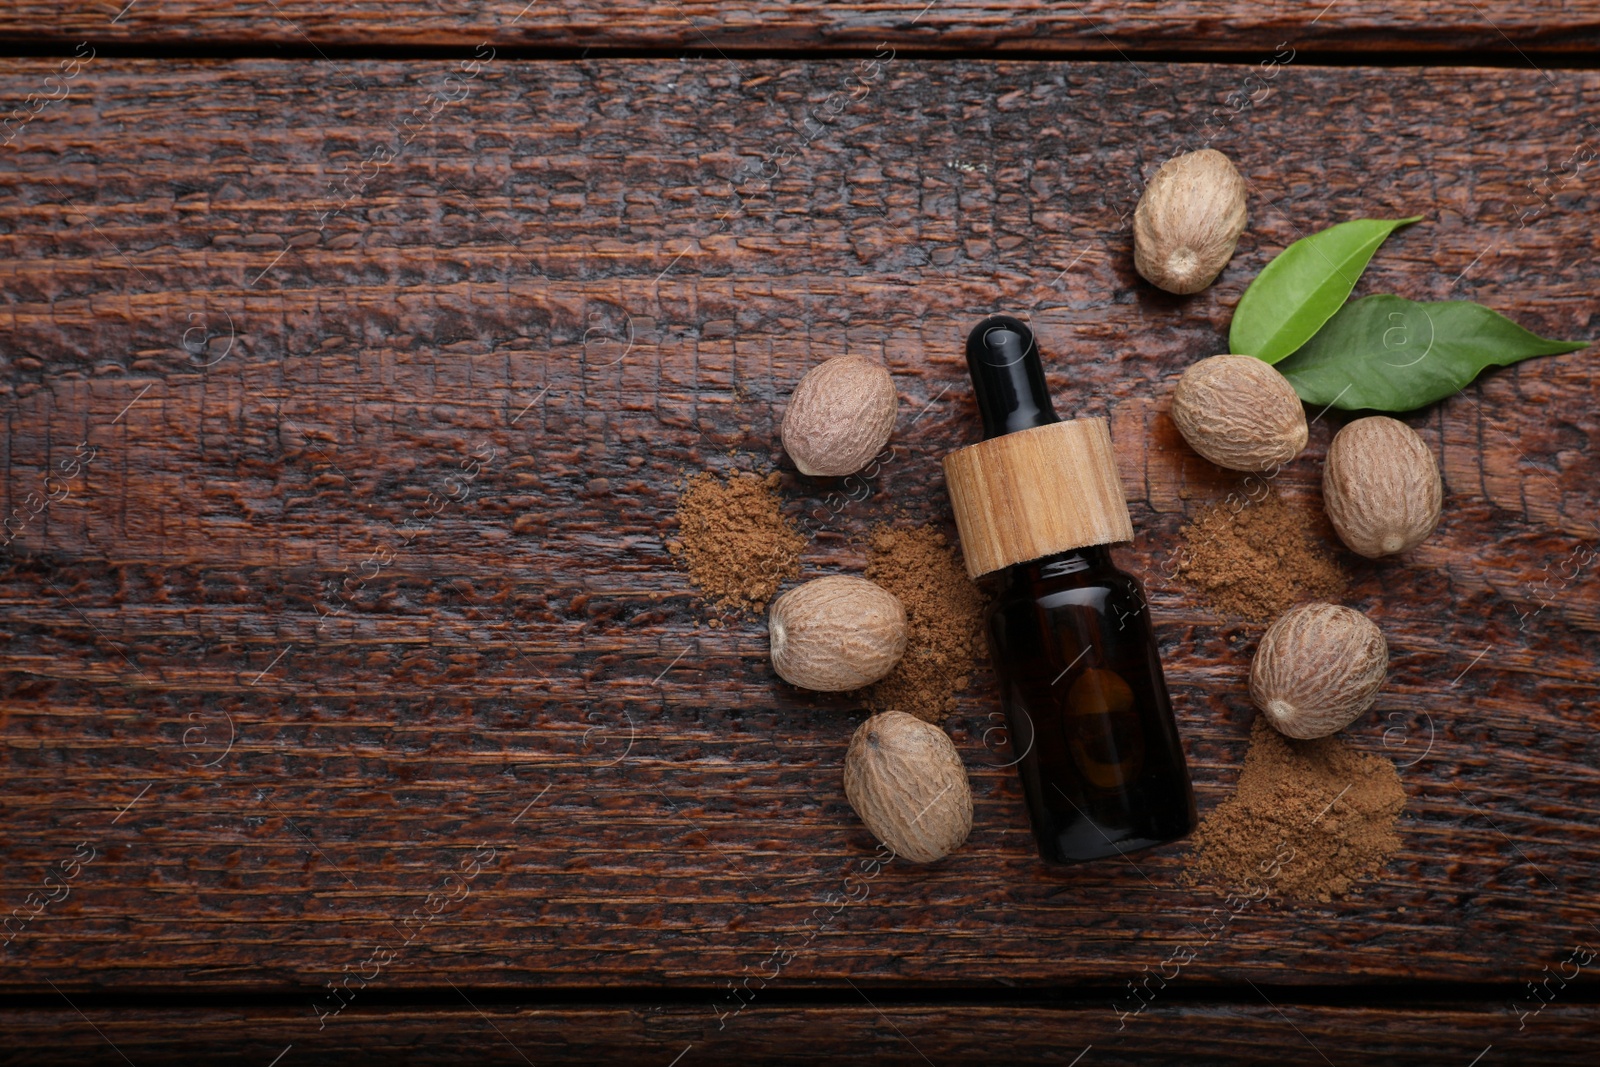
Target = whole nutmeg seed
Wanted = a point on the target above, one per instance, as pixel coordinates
(1239, 413)
(1188, 221)
(1319, 667)
(905, 780)
(836, 633)
(840, 416)
(1381, 487)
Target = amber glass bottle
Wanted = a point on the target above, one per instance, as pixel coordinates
(1091, 725)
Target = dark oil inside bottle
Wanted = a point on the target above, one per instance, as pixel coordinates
(1086, 705)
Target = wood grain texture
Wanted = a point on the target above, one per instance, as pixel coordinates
(1034, 493)
(879, 1033)
(367, 569)
(1508, 28)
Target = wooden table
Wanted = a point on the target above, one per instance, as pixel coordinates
(353, 358)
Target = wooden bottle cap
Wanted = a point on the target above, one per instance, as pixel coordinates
(1036, 492)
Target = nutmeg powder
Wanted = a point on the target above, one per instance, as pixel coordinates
(1334, 806)
(944, 621)
(1258, 560)
(736, 543)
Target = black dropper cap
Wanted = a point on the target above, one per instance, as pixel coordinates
(1007, 377)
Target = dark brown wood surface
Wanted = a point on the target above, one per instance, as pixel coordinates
(1559, 30)
(872, 1031)
(273, 693)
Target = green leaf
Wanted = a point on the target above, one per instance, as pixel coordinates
(1301, 289)
(1387, 353)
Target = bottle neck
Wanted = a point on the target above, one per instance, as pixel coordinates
(1088, 562)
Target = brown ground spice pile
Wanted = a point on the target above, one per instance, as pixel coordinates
(735, 541)
(1259, 562)
(1324, 811)
(944, 621)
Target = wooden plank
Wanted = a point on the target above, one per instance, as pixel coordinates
(872, 1031)
(1511, 31)
(282, 331)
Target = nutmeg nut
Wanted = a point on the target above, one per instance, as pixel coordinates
(840, 416)
(1239, 413)
(1318, 668)
(836, 633)
(1188, 221)
(905, 780)
(1381, 487)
